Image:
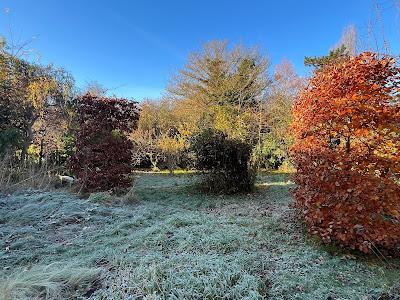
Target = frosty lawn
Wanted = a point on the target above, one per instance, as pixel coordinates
(175, 243)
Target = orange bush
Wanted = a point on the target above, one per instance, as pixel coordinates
(346, 124)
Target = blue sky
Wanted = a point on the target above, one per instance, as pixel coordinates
(133, 47)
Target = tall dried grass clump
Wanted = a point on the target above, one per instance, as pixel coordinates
(48, 282)
(16, 174)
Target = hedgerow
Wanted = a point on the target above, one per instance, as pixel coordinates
(103, 152)
(346, 151)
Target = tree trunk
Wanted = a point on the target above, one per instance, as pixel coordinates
(41, 153)
(154, 161)
(27, 141)
(348, 144)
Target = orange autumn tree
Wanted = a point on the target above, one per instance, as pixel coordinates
(346, 124)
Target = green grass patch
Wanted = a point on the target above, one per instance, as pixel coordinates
(172, 242)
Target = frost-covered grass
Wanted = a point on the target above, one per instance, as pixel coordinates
(172, 242)
(54, 281)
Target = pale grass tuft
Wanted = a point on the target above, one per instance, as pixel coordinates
(100, 197)
(130, 197)
(48, 282)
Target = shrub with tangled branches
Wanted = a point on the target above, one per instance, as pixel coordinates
(225, 162)
(346, 151)
(103, 152)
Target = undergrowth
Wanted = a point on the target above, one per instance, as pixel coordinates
(17, 175)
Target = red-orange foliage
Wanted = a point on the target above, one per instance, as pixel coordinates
(103, 152)
(346, 124)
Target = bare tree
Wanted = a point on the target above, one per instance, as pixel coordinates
(17, 47)
(95, 88)
(349, 40)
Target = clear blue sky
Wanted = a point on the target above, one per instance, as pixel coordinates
(133, 47)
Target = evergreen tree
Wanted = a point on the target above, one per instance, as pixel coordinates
(334, 56)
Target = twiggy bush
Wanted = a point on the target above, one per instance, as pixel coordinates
(225, 162)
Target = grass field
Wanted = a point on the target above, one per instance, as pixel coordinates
(175, 243)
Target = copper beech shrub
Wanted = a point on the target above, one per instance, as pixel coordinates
(346, 125)
(103, 152)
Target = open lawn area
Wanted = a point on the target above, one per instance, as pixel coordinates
(173, 242)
